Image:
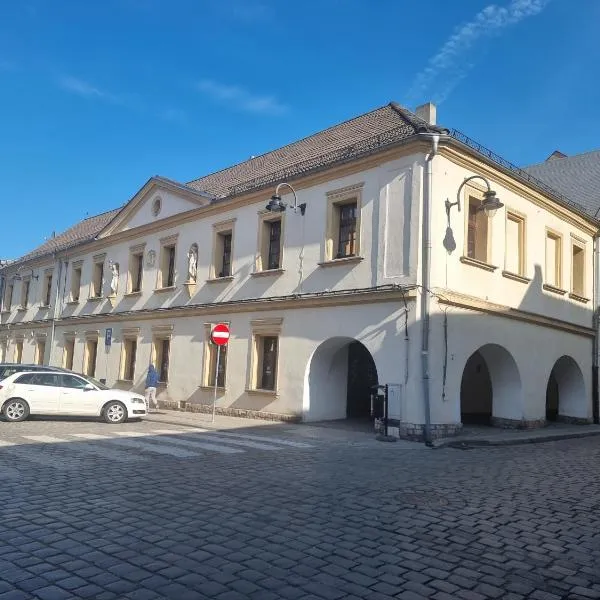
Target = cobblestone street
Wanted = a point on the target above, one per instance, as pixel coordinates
(150, 511)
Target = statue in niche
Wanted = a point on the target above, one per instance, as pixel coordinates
(114, 282)
(193, 263)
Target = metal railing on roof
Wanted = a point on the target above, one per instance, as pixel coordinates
(467, 141)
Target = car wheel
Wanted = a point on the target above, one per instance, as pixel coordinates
(115, 412)
(16, 409)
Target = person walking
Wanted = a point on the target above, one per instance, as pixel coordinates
(151, 383)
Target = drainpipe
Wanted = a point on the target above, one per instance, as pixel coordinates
(55, 308)
(595, 325)
(425, 273)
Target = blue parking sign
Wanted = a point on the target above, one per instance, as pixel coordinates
(108, 336)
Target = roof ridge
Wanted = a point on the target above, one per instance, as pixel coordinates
(360, 116)
(98, 215)
(580, 155)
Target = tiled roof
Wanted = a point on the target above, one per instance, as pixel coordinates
(81, 232)
(374, 130)
(577, 177)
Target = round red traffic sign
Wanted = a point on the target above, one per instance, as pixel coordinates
(220, 334)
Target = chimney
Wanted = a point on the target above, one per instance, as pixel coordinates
(556, 155)
(427, 112)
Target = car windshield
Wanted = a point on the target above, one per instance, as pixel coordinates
(95, 382)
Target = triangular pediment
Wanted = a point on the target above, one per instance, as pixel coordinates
(158, 199)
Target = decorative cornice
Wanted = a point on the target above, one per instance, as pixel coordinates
(451, 298)
(344, 192)
(314, 300)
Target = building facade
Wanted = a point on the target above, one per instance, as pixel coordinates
(469, 317)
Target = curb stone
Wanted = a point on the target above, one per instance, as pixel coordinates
(469, 444)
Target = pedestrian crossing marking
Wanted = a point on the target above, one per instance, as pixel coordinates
(168, 431)
(87, 448)
(203, 445)
(141, 445)
(238, 442)
(263, 438)
(130, 445)
(45, 439)
(232, 442)
(90, 436)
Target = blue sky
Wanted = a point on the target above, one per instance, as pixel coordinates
(98, 96)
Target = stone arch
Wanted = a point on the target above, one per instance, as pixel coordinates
(491, 391)
(338, 379)
(565, 392)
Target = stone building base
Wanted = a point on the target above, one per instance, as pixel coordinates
(517, 423)
(574, 420)
(415, 432)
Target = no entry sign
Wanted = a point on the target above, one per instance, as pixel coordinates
(220, 334)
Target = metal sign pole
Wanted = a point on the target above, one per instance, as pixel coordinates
(216, 382)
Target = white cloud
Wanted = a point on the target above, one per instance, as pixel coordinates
(449, 66)
(240, 98)
(84, 88)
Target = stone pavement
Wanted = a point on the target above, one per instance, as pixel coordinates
(327, 520)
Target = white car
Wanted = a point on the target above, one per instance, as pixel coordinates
(54, 393)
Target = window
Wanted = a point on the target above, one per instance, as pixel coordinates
(343, 223)
(160, 357)
(136, 270)
(8, 296)
(97, 279)
(222, 262)
(553, 259)
(25, 293)
(76, 282)
(89, 357)
(577, 269)
(3, 348)
(347, 230)
(267, 362)
(128, 359)
(47, 289)
(264, 355)
(72, 381)
(47, 379)
(68, 353)
(274, 256)
(270, 243)
(515, 244)
(167, 267)
(40, 351)
(18, 351)
(210, 361)
(225, 253)
(477, 231)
